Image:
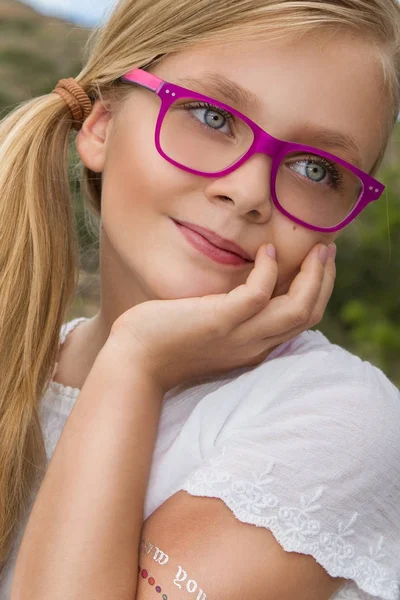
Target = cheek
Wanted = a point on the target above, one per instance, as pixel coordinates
(132, 160)
(135, 173)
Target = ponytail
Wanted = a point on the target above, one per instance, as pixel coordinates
(39, 268)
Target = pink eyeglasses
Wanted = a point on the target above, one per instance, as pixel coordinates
(199, 134)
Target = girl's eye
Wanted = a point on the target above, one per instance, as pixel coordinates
(211, 116)
(317, 171)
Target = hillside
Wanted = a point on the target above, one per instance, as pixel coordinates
(35, 52)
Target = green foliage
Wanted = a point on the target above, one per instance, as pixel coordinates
(364, 311)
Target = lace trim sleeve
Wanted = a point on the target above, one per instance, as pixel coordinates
(298, 525)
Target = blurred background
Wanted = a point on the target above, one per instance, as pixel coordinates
(42, 41)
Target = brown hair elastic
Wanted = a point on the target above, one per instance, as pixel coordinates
(76, 98)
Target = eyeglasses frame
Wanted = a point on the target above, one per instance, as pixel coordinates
(263, 143)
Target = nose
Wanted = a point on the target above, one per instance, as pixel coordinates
(246, 189)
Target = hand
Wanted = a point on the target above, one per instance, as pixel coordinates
(175, 341)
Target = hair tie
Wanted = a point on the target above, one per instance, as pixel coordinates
(76, 98)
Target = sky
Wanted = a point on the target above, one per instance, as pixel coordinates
(84, 12)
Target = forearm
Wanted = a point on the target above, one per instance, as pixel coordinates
(82, 537)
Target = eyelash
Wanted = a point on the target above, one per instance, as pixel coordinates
(223, 112)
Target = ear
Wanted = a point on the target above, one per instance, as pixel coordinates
(91, 140)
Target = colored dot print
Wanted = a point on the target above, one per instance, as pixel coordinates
(152, 581)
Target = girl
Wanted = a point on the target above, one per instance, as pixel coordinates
(209, 445)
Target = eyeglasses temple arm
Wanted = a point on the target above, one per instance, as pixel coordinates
(143, 78)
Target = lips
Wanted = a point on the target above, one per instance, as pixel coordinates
(216, 240)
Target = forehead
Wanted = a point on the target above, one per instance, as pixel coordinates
(296, 88)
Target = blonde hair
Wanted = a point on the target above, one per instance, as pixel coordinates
(39, 257)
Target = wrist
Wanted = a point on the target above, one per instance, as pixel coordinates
(123, 360)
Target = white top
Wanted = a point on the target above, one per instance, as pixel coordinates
(306, 444)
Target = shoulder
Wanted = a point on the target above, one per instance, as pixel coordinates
(310, 366)
(311, 352)
(309, 383)
(322, 394)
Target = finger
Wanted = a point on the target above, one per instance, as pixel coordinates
(325, 293)
(292, 310)
(327, 286)
(305, 287)
(248, 299)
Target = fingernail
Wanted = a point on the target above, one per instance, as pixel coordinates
(323, 254)
(332, 251)
(270, 250)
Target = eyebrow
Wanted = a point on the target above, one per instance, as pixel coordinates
(311, 134)
(332, 140)
(216, 83)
